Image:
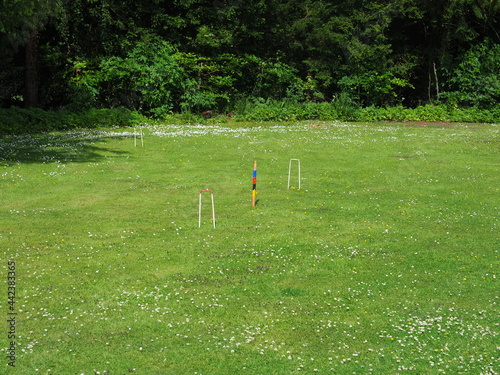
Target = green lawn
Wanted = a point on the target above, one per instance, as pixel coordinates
(384, 262)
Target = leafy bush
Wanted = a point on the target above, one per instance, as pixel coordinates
(217, 83)
(34, 120)
(373, 87)
(476, 80)
(430, 113)
(285, 110)
(320, 111)
(345, 106)
(344, 110)
(157, 80)
(208, 83)
(149, 79)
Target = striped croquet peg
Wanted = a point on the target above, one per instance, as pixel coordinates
(254, 184)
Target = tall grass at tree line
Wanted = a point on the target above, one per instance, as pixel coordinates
(384, 262)
(34, 120)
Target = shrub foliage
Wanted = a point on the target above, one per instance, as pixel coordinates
(35, 120)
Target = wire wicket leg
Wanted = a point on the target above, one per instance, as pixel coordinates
(141, 135)
(199, 207)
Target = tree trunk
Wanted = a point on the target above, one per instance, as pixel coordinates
(31, 71)
(436, 79)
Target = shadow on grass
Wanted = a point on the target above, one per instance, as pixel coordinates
(71, 147)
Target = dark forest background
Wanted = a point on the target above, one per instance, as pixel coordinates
(159, 57)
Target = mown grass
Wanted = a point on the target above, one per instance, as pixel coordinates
(384, 261)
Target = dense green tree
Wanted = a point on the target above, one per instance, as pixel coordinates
(377, 52)
(20, 24)
(476, 80)
(347, 45)
(439, 35)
